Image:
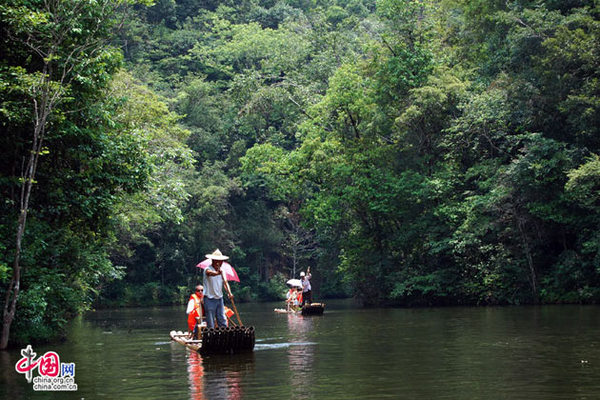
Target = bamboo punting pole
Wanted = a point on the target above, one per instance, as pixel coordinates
(237, 314)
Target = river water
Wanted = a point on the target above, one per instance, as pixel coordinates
(547, 352)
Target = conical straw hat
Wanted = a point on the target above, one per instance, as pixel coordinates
(217, 255)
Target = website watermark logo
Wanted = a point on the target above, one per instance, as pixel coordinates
(53, 375)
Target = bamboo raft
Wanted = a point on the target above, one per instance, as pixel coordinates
(307, 309)
(185, 339)
(313, 309)
(284, 311)
(222, 340)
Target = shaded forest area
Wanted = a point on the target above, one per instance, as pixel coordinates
(413, 153)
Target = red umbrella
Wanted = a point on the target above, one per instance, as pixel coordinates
(230, 273)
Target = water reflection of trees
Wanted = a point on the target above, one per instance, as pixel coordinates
(218, 377)
(301, 356)
(12, 384)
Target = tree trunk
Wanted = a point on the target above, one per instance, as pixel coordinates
(532, 273)
(12, 294)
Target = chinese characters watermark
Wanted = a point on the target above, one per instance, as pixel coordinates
(54, 375)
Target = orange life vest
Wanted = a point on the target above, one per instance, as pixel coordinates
(196, 312)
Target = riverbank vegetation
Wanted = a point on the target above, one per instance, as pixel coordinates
(419, 152)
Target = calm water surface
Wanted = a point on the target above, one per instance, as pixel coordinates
(348, 353)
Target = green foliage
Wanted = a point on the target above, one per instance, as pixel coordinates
(439, 145)
(148, 294)
(584, 183)
(274, 289)
(411, 152)
(56, 73)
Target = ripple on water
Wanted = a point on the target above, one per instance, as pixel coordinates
(271, 346)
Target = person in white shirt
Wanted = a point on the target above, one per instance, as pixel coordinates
(306, 288)
(213, 290)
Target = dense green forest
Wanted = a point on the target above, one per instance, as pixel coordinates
(412, 152)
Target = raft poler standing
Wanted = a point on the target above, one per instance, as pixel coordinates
(213, 290)
(306, 288)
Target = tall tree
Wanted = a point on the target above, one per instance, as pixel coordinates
(55, 49)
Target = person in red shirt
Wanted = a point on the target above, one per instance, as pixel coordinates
(291, 299)
(298, 303)
(195, 309)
